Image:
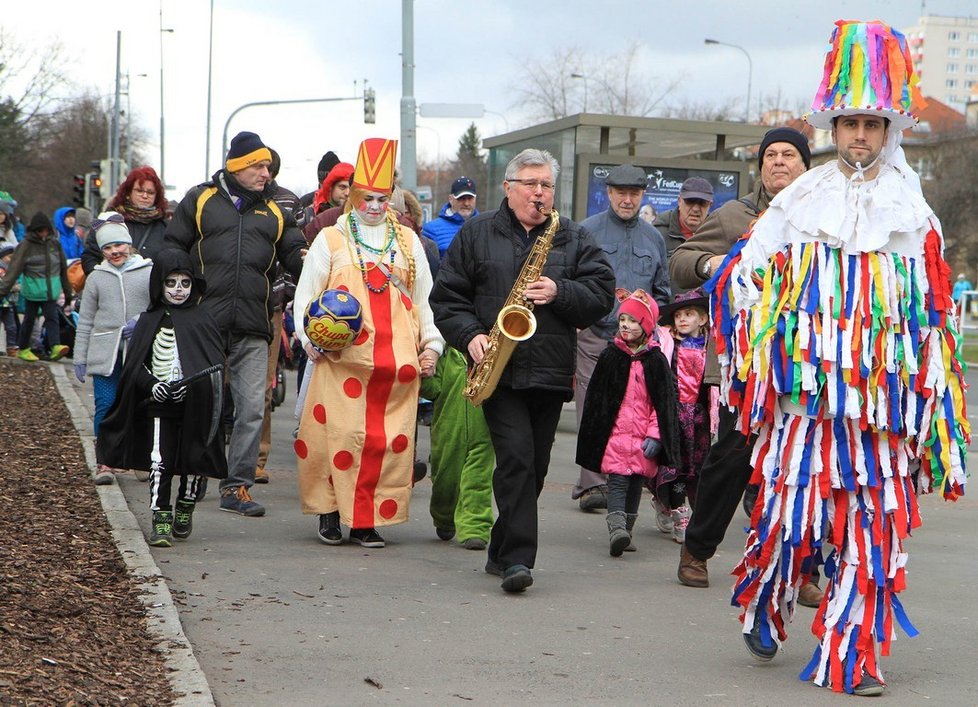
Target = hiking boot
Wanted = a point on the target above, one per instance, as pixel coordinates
(663, 518)
(474, 544)
(161, 533)
(183, 519)
(27, 355)
(810, 595)
(516, 578)
(630, 519)
(594, 499)
(445, 533)
(366, 537)
(692, 572)
(58, 352)
(261, 476)
(680, 519)
(12, 351)
(755, 643)
(329, 528)
(236, 499)
(618, 537)
(104, 476)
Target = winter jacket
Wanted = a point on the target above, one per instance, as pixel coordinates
(41, 262)
(631, 396)
(716, 236)
(637, 255)
(444, 227)
(71, 243)
(667, 223)
(113, 296)
(147, 240)
(479, 272)
(236, 252)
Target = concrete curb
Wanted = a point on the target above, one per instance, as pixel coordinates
(185, 673)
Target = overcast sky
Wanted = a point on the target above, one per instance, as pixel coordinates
(465, 52)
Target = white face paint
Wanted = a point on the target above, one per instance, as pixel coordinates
(373, 209)
(177, 286)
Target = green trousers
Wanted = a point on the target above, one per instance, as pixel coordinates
(462, 458)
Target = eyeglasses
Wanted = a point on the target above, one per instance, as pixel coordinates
(144, 192)
(184, 282)
(534, 184)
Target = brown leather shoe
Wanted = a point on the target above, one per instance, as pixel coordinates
(261, 476)
(692, 572)
(810, 595)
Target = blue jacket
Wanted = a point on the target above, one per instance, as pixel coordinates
(72, 245)
(637, 254)
(442, 229)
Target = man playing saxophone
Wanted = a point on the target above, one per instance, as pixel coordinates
(482, 271)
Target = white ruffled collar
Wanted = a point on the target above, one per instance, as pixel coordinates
(858, 216)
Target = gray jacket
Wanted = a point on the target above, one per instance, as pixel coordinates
(637, 254)
(112, 297)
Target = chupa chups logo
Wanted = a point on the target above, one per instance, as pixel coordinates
(329, 334)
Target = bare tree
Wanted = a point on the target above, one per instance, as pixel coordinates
(728, 109)
(951, 193)
(573, 81)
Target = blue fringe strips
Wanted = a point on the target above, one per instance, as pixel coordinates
(847, 367)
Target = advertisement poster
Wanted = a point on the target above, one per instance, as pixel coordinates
(662, 189)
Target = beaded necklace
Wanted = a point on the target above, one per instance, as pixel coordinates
(364, 268)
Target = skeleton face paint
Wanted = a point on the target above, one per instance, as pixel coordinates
(373, 209)
(177, 286)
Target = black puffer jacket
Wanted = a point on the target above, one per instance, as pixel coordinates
(236, 253)
(478, 273)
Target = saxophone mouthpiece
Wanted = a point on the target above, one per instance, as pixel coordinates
(540, 207)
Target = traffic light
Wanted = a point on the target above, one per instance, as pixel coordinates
(95, 183)
(369, 106)
(79, 188)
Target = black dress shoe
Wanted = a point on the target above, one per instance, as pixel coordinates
(329, 528)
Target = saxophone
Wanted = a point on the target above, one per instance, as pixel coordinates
(514, 323)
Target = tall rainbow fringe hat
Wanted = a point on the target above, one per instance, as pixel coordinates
(868, 71)
(375, 165)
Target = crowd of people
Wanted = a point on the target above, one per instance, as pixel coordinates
(795, 347)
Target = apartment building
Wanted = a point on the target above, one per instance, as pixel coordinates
(945, 55)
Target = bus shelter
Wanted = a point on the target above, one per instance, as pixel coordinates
(588, 145)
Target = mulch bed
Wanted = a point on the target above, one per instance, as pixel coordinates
(72, 627)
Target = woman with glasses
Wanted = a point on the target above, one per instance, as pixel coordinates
(142, 202)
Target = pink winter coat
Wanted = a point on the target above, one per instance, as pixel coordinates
(636, 420)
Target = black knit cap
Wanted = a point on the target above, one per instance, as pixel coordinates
(789, 135)
(326, 165)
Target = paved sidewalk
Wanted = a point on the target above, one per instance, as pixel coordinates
(276, 617)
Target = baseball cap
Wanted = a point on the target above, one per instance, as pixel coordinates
(463, 186)
(696, 188)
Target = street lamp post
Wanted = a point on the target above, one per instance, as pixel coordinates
(582, 76)
(162, 139)
(750, 70)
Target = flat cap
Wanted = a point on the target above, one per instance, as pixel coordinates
(627, 175)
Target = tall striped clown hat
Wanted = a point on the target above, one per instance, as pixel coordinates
(868, 71)
(375, 165)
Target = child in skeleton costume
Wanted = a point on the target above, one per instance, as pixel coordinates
(837, 343)
(629, 425)
(162, 422)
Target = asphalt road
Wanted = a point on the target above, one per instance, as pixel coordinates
(276, 617)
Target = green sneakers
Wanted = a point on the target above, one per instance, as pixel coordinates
(161, 534)
(183, 519)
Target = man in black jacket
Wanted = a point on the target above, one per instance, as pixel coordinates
(235, 234)
(575, 289)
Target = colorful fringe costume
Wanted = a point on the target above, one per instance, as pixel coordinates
(838, 347)
(845, 362)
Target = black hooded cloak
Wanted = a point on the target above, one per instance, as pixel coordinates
(125, 436)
